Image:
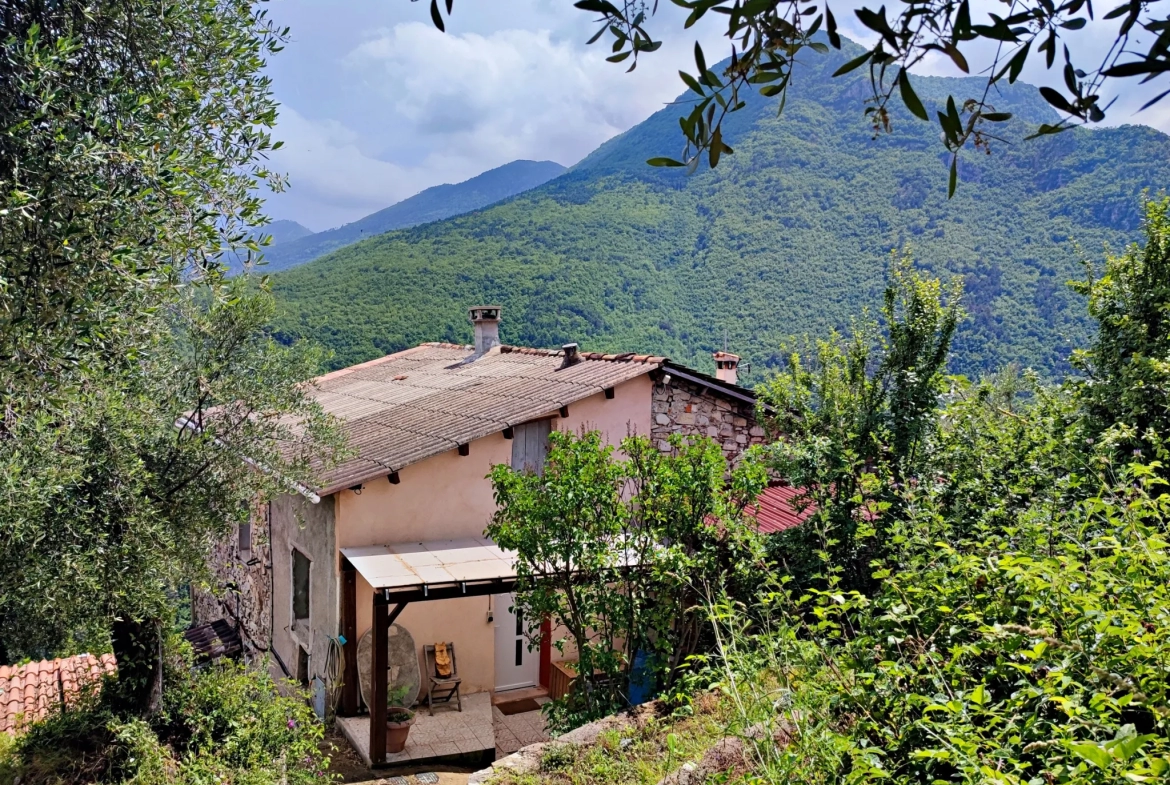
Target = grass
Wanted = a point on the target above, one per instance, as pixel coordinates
(644, 752)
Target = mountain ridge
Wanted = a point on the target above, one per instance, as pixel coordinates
(791, 235)
(432, 204)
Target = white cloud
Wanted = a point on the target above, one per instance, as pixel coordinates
(423, 108)
(379, 105)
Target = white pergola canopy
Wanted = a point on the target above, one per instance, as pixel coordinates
(420, 566)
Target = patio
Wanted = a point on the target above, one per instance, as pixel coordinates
(449, 735)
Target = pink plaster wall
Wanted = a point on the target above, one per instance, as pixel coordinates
(627, 412)
(448, 496)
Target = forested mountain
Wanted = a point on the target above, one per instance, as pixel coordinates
(433, 204)
(286, 231)
(790, 235)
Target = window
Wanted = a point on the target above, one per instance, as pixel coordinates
(246, 541)
(302, 666)
(300, 580)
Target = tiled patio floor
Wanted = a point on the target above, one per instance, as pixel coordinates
(518, 730)
(447, 734)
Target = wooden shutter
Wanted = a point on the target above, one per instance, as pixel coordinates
(530, 445)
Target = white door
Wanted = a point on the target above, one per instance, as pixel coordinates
(516, 666)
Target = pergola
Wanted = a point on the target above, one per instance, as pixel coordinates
(402, 574)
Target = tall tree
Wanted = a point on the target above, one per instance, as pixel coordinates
(145, 409)
(132, 136)
(1126, 388)
(852, 422)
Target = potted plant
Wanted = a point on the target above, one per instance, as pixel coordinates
(398, 719)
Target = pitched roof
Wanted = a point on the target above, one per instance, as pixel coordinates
(30, 692)
(402, 408)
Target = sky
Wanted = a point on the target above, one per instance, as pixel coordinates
(377, 105)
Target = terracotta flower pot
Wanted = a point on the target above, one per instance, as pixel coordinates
(397, 731)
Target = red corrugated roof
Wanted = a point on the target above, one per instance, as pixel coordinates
(779, 507)
(30, 692)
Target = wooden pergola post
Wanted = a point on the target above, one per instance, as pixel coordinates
(349, 676)
(378, 668)
(383, 618)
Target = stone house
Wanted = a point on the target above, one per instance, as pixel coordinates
(395, 533)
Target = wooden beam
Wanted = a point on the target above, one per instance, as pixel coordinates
(509, 433)
(447, 592)
(609, 393)
(378, 671)
(564, 411)
(465, 449)
(393, 478)
(349, 677)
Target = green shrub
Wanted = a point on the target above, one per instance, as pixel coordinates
(220, 724)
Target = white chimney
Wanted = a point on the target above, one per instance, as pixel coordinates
(486, 319)
(725, 367)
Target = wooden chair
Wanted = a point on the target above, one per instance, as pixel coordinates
(442, 687)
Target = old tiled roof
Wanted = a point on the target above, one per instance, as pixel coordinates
(402, 408)
(780, 507)
(30, 692)
(214, 640)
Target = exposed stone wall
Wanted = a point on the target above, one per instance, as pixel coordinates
(691, 409)
(240, 588)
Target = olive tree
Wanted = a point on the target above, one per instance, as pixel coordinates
(144, 409)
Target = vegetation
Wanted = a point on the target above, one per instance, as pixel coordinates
(852, 424)
(217, 724)
(145, 409)
(792, 235)
(610, 550)
(1013, 628)
(432, 204)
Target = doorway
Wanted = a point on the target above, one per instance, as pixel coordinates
(516, 666)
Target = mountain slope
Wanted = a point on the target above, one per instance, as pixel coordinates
(433, 204)
(286, 231)
(790, 235)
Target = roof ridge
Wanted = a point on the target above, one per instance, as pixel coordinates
(650, 359)
(384, 358)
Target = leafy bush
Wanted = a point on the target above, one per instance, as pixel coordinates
(609, 549)
(220, 724)
(1015, 630)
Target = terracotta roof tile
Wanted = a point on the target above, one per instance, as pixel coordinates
(408, 406)
(30, 692)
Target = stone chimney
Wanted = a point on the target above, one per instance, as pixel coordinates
(726, 365)
(486, 320)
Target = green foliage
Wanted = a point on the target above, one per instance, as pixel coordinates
(145, 408)
(609, 549)
(1015, 627)
(223, 723)
(110, 487)
(1127, 367)
(793, 234)
(853, 426)
(132, 139)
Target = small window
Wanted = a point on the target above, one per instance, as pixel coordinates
(302, 666)
(246, 540)
(300, 576)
